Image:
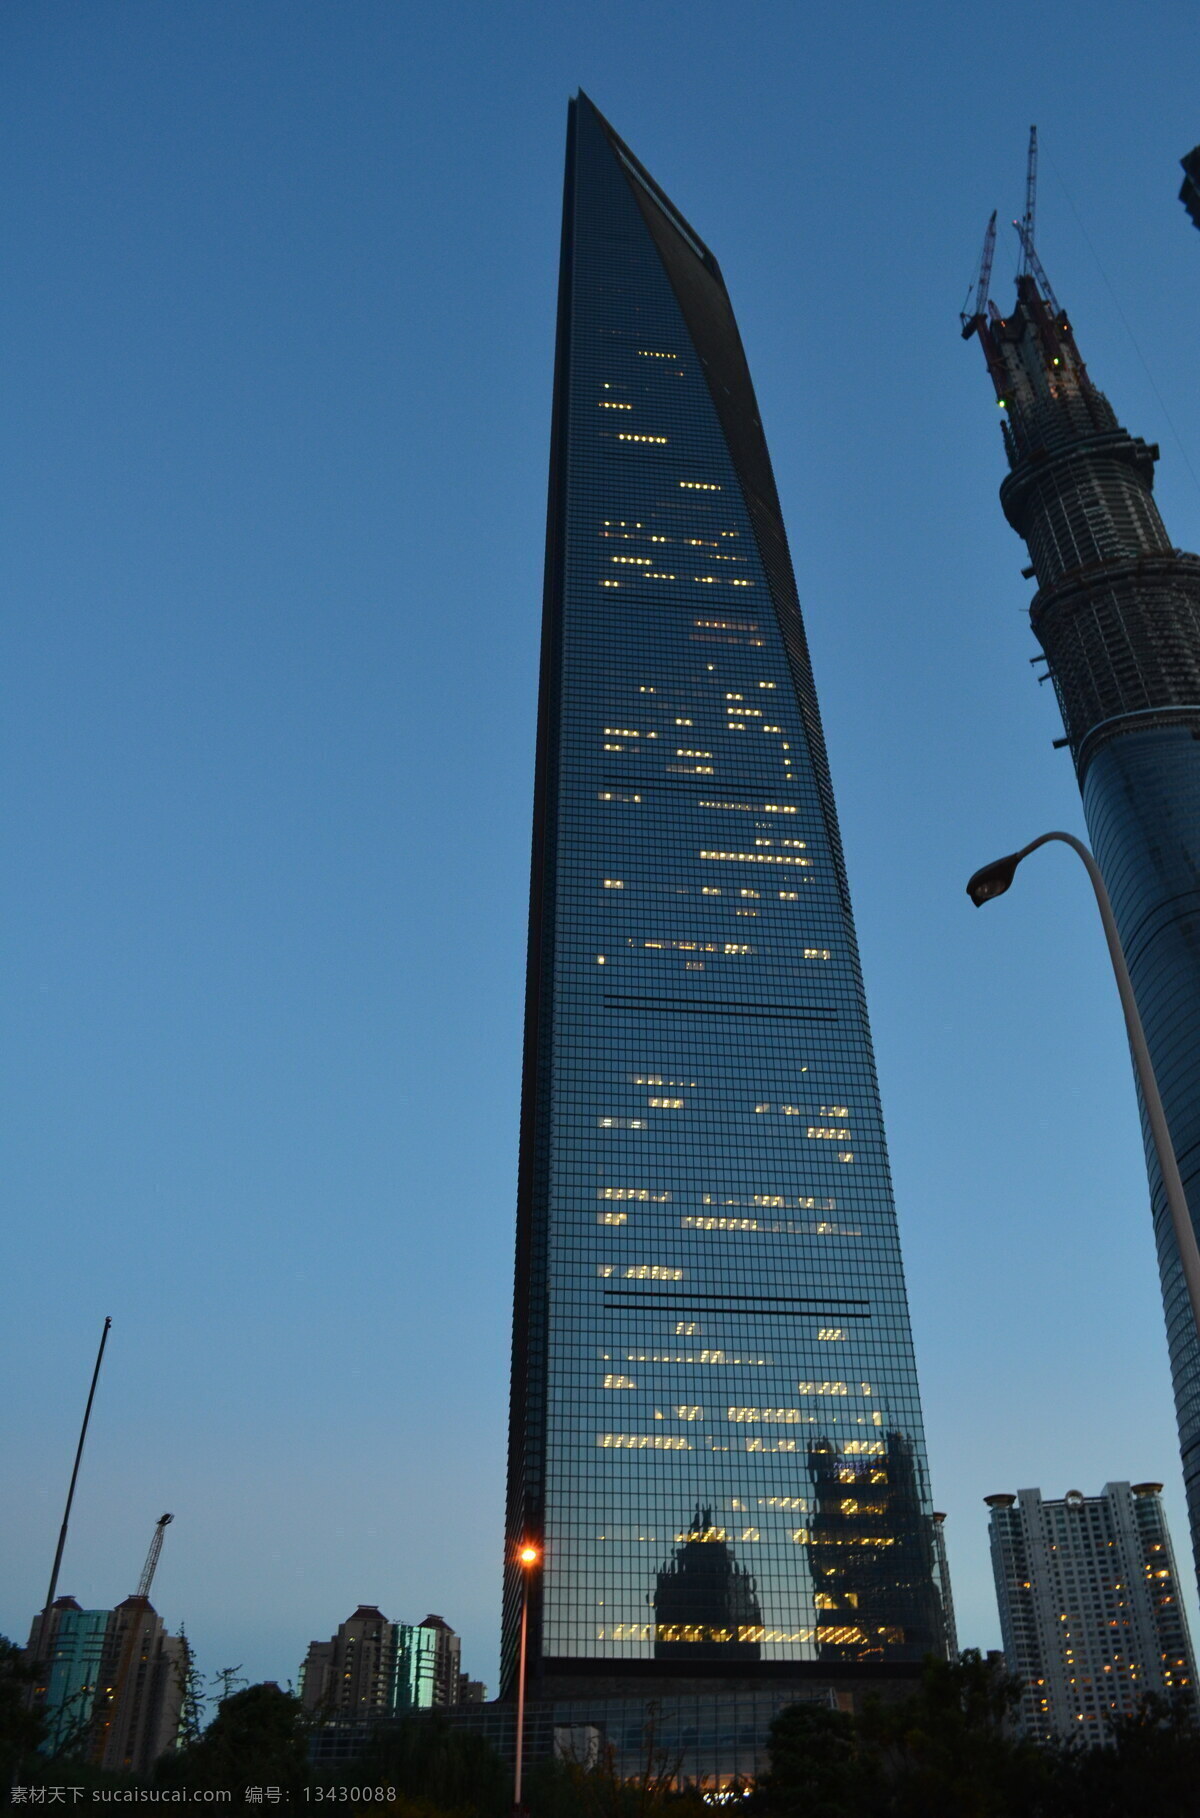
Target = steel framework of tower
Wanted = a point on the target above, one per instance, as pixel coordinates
(1117, 613)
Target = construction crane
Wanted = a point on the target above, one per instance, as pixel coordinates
(1034, 264)
(136, 1607)
(1029, 261)
(1025, 229)
(970, 320)
(148, 1570)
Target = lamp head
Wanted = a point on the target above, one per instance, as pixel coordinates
(993, 880)
(529, 1556)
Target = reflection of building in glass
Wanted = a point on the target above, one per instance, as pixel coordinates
(704, 1603)
(428, 1673)
(872, 1555)
(1090, 1607)
(110, 1682)
(948, 1622)
(1117, 613)
(376, 1668)
(708, 1269)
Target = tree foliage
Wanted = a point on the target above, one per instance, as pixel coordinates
(950, 1750)
(21, 1730)
(256, 1738)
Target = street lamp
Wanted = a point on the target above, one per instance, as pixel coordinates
(993, 880)
(528, 1557)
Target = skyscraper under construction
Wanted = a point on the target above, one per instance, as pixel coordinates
(1117, 613)
(715, 1436)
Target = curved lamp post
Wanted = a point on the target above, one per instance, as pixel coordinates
(529, 1558)
(994, 880)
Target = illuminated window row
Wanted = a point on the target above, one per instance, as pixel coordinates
(722, 625)
(836, 1636)
(804, 1204)
(783, 1417)
(752, 807)
(699, 486)
(713, 637)
(735, 947)
(757, 858)
(800, 1111)
(691, 1357)
(628, 436)
(776, 1228)
(641, 1442)
(641, 1193)
(785, 896)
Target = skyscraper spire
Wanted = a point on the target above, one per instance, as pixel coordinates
(1117, 613)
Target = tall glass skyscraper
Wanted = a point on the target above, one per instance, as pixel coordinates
(1117, 613)
(715, 1427)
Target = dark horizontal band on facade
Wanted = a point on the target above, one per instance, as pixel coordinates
(779, 1303)
(741, 1676)
(794, 1013)
(696, 788)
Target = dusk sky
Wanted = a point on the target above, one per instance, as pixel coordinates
(278, 328)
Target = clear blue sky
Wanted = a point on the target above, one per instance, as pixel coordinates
(278, 331)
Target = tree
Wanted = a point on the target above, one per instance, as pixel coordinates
(946, 1751)
(192, 1698)
(430, 1762)
(21, 1730)
(818, 1766)
(256, 1738)
(1151, 1767)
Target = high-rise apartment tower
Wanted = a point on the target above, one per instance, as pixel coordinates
(374, 1668)
(111, 1683)
(715, 1429)
(1117, 613)
(1090, 1607)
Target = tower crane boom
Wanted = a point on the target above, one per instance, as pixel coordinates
(148, 1570)
(1034, 264)
(1027, 220)
(985, 278)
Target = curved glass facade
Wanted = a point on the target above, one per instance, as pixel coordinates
(716, 1430)
(1117, 613)
(1141, 798)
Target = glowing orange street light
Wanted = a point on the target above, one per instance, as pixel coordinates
(528, 1557)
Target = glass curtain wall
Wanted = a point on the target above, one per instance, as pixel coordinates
(716, 1431)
